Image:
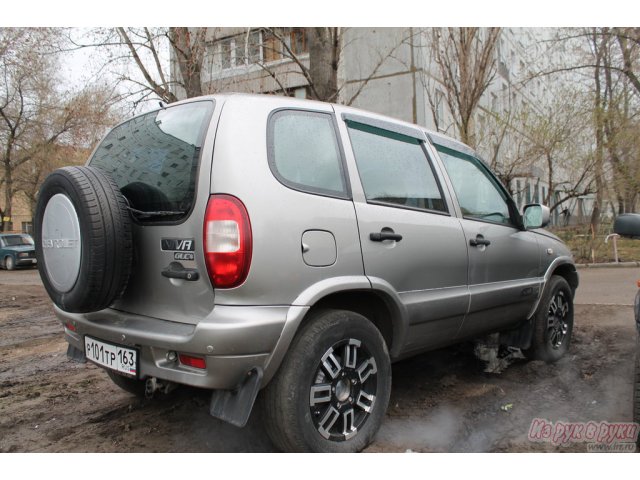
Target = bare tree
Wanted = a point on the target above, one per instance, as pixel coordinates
(325, 54)
(147, 50)
(34, 113)
(465, 58)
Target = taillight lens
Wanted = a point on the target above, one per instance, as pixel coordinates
(227, 241)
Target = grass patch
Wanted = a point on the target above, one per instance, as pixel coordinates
(578, 239)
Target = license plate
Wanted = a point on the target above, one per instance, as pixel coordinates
(115, 357)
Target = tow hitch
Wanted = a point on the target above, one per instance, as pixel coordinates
(153, 385)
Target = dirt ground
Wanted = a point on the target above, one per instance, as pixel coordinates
(441, 401)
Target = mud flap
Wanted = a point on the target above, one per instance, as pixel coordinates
(234, 406)
(76, 355)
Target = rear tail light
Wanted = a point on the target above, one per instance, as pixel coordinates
(195, 362)
(227, 241)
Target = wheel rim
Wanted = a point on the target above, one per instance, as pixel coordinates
(343, 390)
(558, 320)
(9, 263)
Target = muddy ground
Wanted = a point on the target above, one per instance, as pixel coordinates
(442, 401)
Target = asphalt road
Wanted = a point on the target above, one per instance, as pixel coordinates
(607, 286)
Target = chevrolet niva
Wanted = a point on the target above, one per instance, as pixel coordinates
(254, 243)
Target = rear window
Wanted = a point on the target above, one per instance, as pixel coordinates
(154, 159)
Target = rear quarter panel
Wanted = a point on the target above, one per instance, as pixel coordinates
(279, 215)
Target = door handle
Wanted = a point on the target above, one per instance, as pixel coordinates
(479, 240)
(385, 234)
(176, 270)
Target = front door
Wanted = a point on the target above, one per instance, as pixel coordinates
(504, 260)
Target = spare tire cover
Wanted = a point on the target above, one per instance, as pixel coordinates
(83, 239)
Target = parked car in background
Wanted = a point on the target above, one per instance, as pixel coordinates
(17, 250)
(244, 243)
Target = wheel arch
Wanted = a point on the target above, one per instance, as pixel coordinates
(568, 272)
(380, 305)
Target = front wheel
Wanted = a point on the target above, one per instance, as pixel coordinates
(332, 389)
(553, 322)
(9, 263)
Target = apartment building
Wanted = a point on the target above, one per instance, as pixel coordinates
(392, 71)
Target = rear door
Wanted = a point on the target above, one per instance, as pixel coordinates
(410, 242)
(162, 161)
(504, 261)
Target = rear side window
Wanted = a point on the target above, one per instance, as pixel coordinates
(394, 169)
(154, 158)
(304, 152)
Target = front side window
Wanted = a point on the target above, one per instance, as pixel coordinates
(304, 152)
(394, 168)
(478, 194)
(154, 158)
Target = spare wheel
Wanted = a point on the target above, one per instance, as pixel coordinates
(83, 239)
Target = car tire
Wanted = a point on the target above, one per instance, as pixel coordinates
(131, 385)
(83, 239)
(332, 389)
(9, 263)
(553, 322)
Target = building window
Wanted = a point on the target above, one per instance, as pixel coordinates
(227, 53)
(271, 47)
(294, 39)
(27, 227)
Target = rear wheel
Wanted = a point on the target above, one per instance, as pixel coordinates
(332, 389)
(553, 322)
(9, 263)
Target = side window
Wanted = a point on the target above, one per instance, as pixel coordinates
(478, 194)
(304, 152)
(394, 168)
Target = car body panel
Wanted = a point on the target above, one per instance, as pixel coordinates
(436, 287)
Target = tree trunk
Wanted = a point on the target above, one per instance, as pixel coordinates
(599, 46)
(189, 49)
(8, 194)
(324, 57)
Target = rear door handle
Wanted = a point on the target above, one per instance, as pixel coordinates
(385, 234)
(479, 240)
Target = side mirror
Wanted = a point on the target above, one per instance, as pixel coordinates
(535, 216)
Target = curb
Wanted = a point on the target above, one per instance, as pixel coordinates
(609, 265)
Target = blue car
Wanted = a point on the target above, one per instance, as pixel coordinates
(17, 250)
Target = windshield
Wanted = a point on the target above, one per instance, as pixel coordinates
(16, 240)
(154, 158)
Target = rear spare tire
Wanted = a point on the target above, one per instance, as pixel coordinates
(83, 239)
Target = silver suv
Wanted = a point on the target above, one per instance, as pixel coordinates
(243, 243)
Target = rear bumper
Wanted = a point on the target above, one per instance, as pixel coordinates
(233, 339)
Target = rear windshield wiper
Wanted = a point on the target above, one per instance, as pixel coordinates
(155, 213)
